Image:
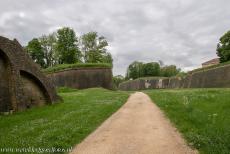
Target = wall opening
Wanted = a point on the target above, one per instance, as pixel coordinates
(5, 75)
(35, 93)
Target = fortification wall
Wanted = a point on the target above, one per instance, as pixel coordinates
(211, 78)
(141, 84)
(82, 78)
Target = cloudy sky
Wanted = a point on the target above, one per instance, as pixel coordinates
(181, 32)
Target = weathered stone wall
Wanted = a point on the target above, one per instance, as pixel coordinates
(212, 78)
(141, 84)
(82, 78)
(20, 79)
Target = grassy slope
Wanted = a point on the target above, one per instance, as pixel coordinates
(62, 67)
(202, 115)
(61, 125)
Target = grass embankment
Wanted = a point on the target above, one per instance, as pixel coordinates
(63, 67)
(201, 115)
(60, 125)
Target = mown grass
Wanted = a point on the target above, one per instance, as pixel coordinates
(60, 125)
(62, 67)
(201, 115)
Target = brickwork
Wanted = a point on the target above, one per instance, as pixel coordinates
(22, 84)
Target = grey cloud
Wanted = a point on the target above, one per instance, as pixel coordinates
(178, 32)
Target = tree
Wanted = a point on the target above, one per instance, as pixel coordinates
(223, 48)
(169, 71)
(117, 80)
(67, 46)
(161, 63)
(151, 69)
(34, 49)
(94, 48)
(135, 70)
(61, 47)
(48, 43)
(107, 58)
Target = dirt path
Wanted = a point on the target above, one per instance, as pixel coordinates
(139, 127)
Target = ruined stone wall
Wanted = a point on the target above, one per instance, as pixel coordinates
(18, 74)
(81, 78)
(175, 82)
(142, 84)
(211, 78)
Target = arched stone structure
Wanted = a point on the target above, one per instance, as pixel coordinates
(22, 84)
(5, 74)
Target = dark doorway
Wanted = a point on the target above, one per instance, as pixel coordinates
(5, 72)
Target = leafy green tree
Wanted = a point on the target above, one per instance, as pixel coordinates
(48, 43)
(34, 49)
(107, 58)
(151, 69)
(117, 80)
(223, 48)
(67, 47)
(94, 48)
(135, 70)
(182, 74)
(169, 71)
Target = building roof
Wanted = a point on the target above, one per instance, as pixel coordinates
(213, 61)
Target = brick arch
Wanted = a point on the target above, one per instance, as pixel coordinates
(24, 70)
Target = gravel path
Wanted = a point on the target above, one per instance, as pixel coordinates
(139, 127)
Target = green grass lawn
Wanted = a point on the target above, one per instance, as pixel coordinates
(61, 125)
(201, 115)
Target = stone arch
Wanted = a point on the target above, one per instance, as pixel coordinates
(34, 91)
(5, 83)
(22, 83)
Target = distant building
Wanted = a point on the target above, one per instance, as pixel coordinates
(211, 62)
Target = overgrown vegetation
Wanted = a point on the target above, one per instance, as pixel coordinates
(60, 125)
(62, 67)
(201, 115)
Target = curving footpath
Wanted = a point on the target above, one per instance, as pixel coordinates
(138, 127)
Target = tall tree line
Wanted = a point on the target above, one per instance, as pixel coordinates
(64, 47)
(139, 69)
